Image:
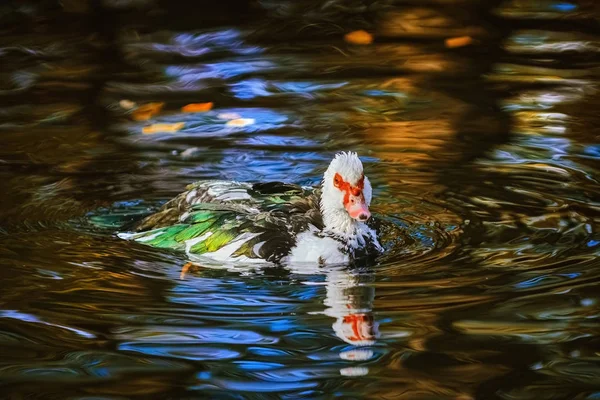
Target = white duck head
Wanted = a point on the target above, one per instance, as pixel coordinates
(346, 194)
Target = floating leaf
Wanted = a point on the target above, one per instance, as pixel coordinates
(146, 111)
(127, 104)
(460, 41)
(148, 130)
(240, 122)
(359, 37)
(197, 107)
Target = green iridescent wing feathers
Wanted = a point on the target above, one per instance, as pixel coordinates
(258, 221)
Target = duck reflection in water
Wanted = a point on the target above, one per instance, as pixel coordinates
(349, 299)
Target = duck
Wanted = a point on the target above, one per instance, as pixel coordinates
(270, 222)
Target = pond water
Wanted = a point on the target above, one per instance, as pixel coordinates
(482, 150)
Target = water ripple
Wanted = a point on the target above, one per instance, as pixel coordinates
(188, 335)
(477, 125)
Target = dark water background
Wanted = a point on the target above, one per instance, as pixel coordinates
(485, 156)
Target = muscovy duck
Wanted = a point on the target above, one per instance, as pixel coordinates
(270, 222)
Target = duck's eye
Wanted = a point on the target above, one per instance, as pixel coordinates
(337, 180)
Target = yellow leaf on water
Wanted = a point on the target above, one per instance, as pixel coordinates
(197, 107)
(359, 37)
(460, 41)
(240, 122)
(141, 116)
(155, 128)
(146, 111)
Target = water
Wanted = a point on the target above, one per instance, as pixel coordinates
(483, 157)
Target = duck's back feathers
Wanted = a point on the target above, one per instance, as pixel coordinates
(230, 220)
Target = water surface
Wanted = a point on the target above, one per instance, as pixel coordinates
(483, 157)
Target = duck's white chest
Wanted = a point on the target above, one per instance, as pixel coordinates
(315, 249)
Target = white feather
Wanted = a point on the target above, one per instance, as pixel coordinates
(149, 237)
(190, 196)
(256, 247)
(234, 195)
(191, 242)
(314, 249)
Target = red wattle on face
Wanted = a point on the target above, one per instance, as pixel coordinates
(354, 200)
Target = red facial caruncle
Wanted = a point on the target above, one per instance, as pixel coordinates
(354, 199)
(362, 327)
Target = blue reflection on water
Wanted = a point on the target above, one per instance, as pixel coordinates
(191, 44)
(101, 372)
(383, 93)
(219, 123)
(267, 352)
(592, 150)
(536, 281)
(536, 149)
(32, 318)
(563, 7)
(257, 365)
(283, 325)
(219, 70)
(193, 352)
(307, 86)
(259, 386)
(250, 89)
(531, 282)
(283, 141)
(261, 165)
(572, 275)
(254, 88)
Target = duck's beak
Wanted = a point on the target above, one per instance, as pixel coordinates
(357, 207)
